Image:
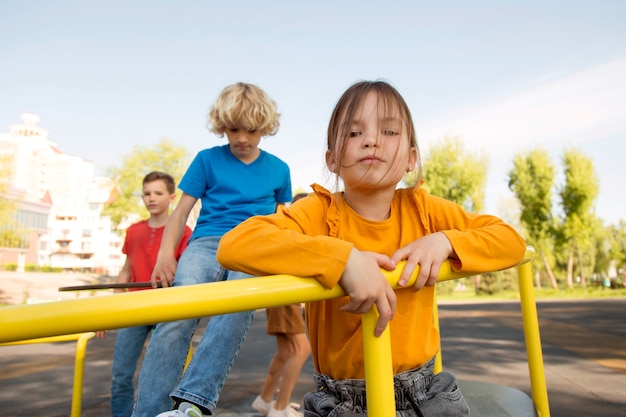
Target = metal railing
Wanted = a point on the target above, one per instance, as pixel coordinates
(79, 362)
(25, 322)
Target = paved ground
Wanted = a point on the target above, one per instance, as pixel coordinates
(47, 369)
(31, 287)
(583, 346)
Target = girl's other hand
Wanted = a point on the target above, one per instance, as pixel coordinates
(429, 252)
(367, 286)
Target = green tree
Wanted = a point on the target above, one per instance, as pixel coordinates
(617, 244)
(12, 234)
(578, 195)
(531, 180)
(602, 250)
(7, 206)
(165, 156)
(454, 173)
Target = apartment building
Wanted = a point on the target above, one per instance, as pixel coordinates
(59, 202)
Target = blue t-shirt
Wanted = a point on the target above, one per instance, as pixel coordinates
(232, 191)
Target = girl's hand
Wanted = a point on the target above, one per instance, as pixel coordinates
(429, 252)
(366, 286)
(164, 270)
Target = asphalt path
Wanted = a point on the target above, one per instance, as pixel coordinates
(584, 348)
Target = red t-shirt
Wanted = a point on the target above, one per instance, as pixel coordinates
(141, 246)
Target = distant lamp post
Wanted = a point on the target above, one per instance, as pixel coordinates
(21, 261)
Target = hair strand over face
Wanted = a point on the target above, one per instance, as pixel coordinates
(345, 112)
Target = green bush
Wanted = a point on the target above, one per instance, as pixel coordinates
(31, 268)
(491, 283)
(48, 268)
(11, 266)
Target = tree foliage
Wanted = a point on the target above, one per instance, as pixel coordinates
(531, 180)
(577, 196)
(454, 173)
(12, 234)
(165, 156)
(566, 234)
(616, 235)
(7, 206)
(602, 249)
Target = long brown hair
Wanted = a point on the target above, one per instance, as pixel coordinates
(344, 113)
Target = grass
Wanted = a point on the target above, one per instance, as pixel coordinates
(541, 294)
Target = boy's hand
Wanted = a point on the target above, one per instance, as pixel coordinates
(429, 252)
(366, 285)
(164, 271)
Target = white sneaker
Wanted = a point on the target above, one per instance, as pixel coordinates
(260, 405)
(287, 412)
(185, 409)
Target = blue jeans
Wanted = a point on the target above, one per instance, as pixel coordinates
(418, 393)
(165, 356)
(128, 346)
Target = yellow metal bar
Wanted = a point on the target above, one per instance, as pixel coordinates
(139, 308)
(145, 307)
(52, 339)
(379, 390)
(79, 362)
(79, 371)
(445, 273)
(189, 354)
(21, 322)
(438, 358)
(533, 341)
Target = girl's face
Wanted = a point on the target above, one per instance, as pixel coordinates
(378, 151)
(244, 144)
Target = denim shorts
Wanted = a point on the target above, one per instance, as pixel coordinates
(418, 392)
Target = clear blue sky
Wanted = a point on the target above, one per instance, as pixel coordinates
(505, 76)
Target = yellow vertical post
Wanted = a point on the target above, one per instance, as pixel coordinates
(533, 341)
(189, 354)
(79, 362)
(438, 358)
(79, 368)
(379, 389)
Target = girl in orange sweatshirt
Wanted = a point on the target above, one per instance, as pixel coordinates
(344, 238)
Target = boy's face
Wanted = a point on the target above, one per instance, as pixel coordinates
(156, 198)
(243, 144)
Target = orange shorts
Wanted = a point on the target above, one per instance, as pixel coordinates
(286, 319)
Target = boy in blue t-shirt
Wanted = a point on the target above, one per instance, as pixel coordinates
(233, 182)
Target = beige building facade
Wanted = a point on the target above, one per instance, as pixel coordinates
(59, 201)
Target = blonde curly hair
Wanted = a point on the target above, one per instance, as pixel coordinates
(246, 105)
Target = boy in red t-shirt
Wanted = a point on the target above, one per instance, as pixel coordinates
(141, 246)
